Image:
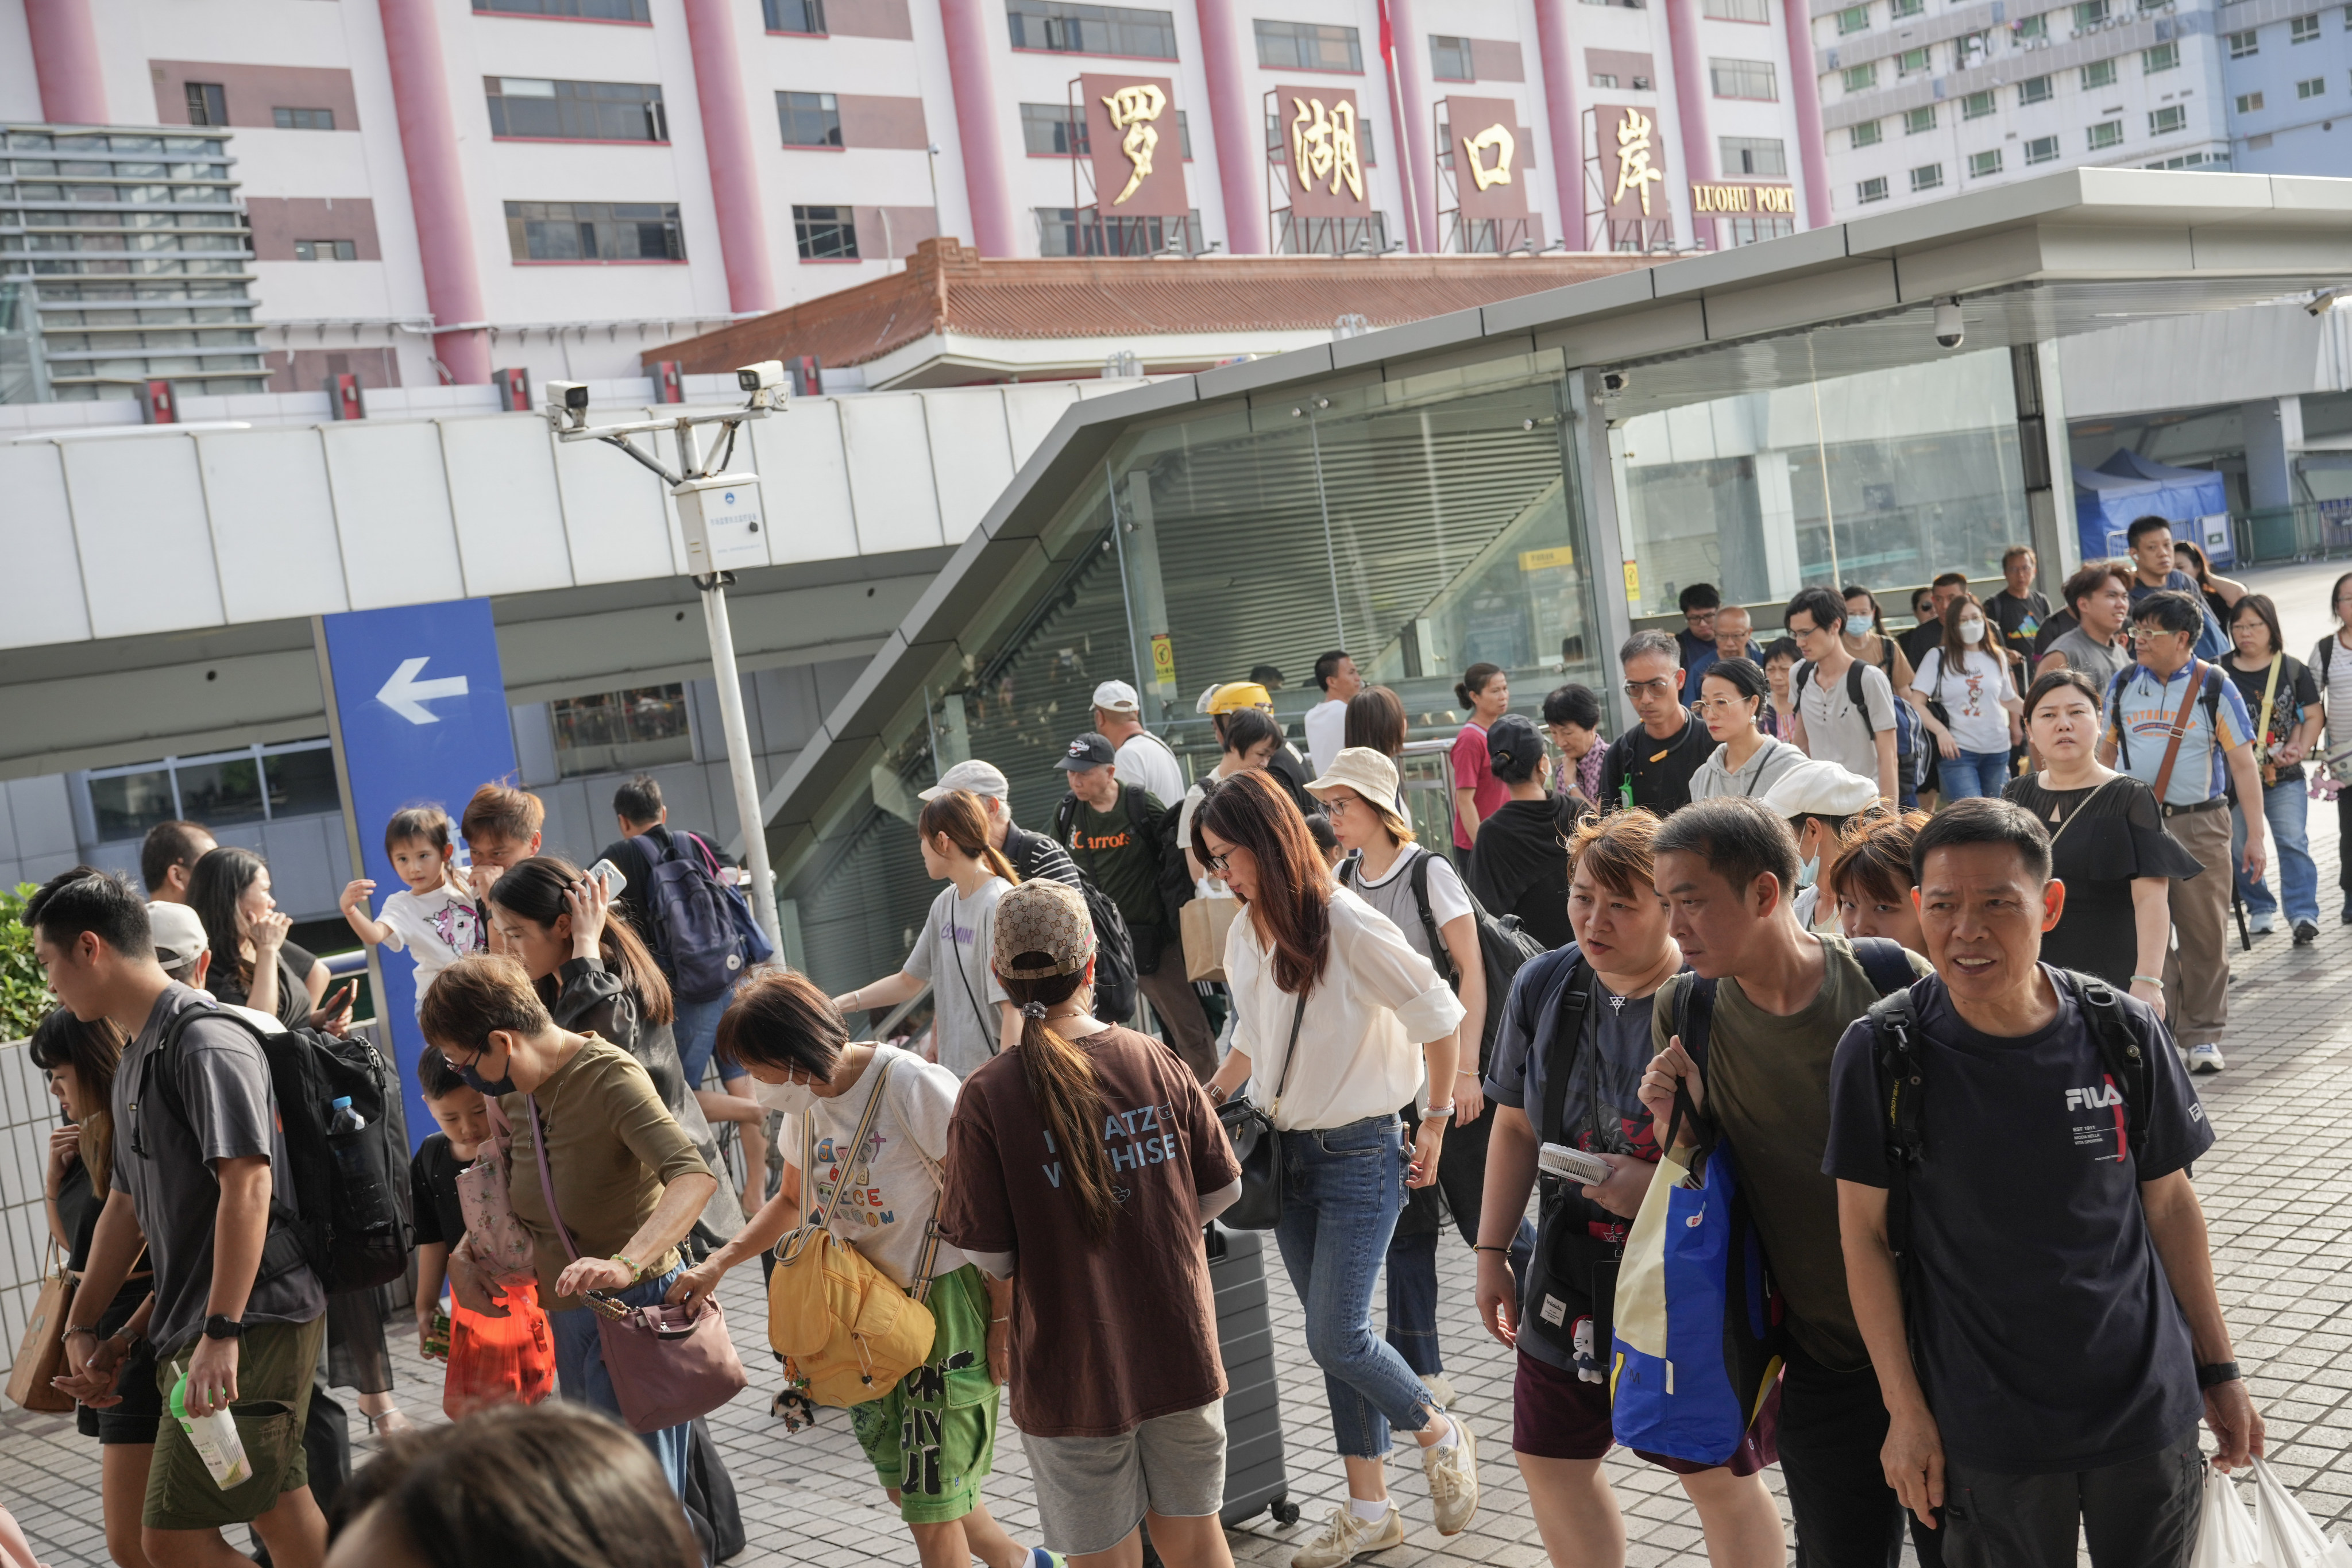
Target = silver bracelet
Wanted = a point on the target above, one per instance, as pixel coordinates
(1437, 1114)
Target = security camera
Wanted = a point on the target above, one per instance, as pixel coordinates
(1950, 328)
(1613, 382)
(568, 402)
(2319, 304)
(760, 378)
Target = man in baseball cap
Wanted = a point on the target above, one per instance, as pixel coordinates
(1144, 758)
(1033, 855)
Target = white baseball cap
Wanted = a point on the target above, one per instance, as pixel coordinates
(1817, 788)
(979, 777)
(1117, 697)
(179, 935)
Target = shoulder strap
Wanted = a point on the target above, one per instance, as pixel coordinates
(872, 1113)
(2119, 1049)
(1130, 795)
(1575, 1001)
(1290, 1053)
(1693, 1018)
(546, 1179)
(1883, 959)
(1895, 1037)
(1349, 872)
(1439, 958)
(1066, 816)
(172, 1033)
(2197, 668)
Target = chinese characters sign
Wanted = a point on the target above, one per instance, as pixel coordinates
(1633, 161)
(1489, 179)
(1139, 162)
(1324, 133)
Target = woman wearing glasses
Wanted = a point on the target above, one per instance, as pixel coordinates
(1733, 700)
(1331, 1003)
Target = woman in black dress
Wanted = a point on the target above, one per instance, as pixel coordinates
(2107, 844)
(252, 964)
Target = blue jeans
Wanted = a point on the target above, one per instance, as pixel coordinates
(1342, 1190)
(579, 1375)
(2286, 807)
(1974, 773)
(697, 1031)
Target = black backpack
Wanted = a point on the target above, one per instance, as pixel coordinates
(1117, 962)
(1906, 723)
(1504, 945)
(1883, 960)
(343, 1206)
(1894, 1030)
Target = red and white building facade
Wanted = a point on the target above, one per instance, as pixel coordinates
(437, 188)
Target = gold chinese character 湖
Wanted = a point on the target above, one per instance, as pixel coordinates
(1132, 111)
(1323, 146)
(1494, 138)
(1633, 171)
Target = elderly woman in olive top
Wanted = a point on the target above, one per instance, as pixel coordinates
(628, 1181)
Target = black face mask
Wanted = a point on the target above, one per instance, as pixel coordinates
(502, 1087)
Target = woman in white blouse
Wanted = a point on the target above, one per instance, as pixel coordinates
(1329, 1004)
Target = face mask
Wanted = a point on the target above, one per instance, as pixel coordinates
(1972, 632)
(792, 1097)
(503, 1086)
(1806, 872)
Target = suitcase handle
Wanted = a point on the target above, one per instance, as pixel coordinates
(1212, 1238)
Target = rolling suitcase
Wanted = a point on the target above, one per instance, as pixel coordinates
(1256, 1480)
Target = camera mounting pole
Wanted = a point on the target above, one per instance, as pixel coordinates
(720, 515)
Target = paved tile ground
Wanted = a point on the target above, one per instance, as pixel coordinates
(2275, 1193)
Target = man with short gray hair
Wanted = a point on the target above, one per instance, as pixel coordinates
(1651, 764)
(1143, 757)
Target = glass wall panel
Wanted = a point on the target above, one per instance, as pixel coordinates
(1923, 477)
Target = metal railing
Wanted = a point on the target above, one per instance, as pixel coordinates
(2307, 531)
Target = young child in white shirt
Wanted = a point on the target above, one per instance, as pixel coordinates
(435, 920)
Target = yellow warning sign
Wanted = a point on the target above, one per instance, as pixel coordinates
(1537, 560)
(1633, 582)
(1164, 660)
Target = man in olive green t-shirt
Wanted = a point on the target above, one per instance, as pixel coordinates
(1728, 869)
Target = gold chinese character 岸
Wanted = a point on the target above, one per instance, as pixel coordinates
(1494, 138)
(1132, 111)
(1323, 146)
(1633, 171)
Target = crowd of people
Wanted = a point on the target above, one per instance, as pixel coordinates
(1730, 933)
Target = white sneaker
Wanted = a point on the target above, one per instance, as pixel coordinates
(1453, 1472)
(2262, 924)
(2206, 1058)
(1441, 1389)
(1344, 1537)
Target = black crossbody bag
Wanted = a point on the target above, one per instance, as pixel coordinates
(1258, 1147)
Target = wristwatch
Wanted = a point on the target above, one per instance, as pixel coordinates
(221, 1327)
(2215, 1374)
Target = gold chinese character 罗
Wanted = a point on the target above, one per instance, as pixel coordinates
(1323, 146)
(1633, 171)
(1132, 111)
(1497, 140)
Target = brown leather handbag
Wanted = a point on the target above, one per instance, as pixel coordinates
(41, 1354)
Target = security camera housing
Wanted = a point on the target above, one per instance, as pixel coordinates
(760, 378)
(1950, 328)
(568, 401)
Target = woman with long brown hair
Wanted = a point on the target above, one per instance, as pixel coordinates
(1081, 1166)
(971, 1019)
(1330, 1004)
(1973, 709)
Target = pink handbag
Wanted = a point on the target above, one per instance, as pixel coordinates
(668, 1365)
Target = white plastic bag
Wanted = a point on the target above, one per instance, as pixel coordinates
(2225, 1532)
(2286, 1536)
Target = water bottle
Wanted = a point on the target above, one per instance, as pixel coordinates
(363, 1208)
(214, 1439)
(342, 1118)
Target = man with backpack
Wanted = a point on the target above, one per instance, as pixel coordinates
(200, 1180)
(2027, 1259)
(1112, 830)
(1749, 1034)
(1845, 709)
(1034, 855)
(1651, 764)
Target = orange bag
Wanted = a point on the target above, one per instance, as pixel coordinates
(498, 1361)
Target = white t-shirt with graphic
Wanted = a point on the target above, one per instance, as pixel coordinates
(435, 929)
(893, 1188)
(1972, 696)
(953, 954)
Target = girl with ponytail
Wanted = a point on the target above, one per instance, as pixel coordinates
(1080, 1166)
(971, 1020)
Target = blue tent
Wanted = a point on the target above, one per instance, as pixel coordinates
(2107, 499)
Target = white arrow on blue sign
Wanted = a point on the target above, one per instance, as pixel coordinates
(406, 696)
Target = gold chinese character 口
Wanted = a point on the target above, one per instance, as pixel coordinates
(1633, 169)
(1323, 146)
(1494, 138)
(1132, 111)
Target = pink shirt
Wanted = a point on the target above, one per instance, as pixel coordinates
(1473, 773)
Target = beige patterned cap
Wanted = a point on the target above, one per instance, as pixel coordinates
(1043, 917)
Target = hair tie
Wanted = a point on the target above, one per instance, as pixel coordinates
(1033, 1009)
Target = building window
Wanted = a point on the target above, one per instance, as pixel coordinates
(1748, 230)
(1309, 46)
(2314, 88)
(1926, 177)
(1984, 165)
(2250, 103)
(1971, 51)
(1915, 121)
(1059, 233)
(2031, 27)
(1901, 9)
(2098, 74)
(2042, 150)
(1048, 131)
(538, 109)
(2243, 45)
(795, 15)
(1754, 155)
(2163, 57)
(813, 119)
(1449, 59)
(1744, 79)
(825, 234)
(260, 783)
(1861, 78)
(1976, 105)
(588, 10)
(1738, 10)
(2303, 29)
(1067, 28)
(1603, 79)
(1851, 20)
(1277, 140)
(1870, 190)
(616, 731)
(595, 231)
(1911, 62)
(1867, 135)
(2106, 133)
(325, 250)
(2036, 90)
(2171, 117)
(1184, 136)
(2089, 13)
(303, 119)
(207, 103)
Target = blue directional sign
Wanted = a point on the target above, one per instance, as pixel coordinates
(421, 716)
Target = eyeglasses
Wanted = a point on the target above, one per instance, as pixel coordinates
(1337, 807)
(1662, 686)
(1723, 704)
(1218, 863)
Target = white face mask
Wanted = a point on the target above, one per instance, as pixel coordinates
(1972, 632)
(792, 1097)
(1806, 872)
